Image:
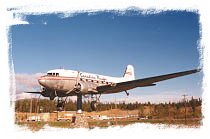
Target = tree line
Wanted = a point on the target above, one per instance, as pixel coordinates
(168, 108)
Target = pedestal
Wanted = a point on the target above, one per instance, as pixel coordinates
(79, 121)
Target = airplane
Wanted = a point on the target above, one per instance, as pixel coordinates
(62, 83)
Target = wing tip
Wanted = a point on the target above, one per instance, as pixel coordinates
(198, 70)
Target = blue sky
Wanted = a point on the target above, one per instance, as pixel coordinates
(105, 42)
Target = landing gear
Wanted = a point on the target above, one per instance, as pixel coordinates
(126, 93)
(93, 105)
(94, 102)
(53, 95)
(60, 104)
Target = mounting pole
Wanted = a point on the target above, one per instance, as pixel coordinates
(79, 103)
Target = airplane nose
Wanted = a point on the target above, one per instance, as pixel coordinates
(41, 81)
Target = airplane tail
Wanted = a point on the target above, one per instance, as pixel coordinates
(129, 73)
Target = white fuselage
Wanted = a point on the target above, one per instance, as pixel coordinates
(64, 81)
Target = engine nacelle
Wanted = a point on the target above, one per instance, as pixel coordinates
(45, 92)
(87, 87)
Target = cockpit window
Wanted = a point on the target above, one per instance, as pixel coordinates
(53, 74)
(49, 73)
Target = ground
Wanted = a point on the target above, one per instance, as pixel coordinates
(103, 119)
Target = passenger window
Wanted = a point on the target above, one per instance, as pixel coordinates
(57, 74)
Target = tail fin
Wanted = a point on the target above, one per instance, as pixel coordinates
(129, 73)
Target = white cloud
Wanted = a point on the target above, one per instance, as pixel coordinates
(26, 82)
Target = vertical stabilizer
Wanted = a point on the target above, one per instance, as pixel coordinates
(129, 73)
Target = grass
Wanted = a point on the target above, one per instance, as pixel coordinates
(60, 124)
(36, 126)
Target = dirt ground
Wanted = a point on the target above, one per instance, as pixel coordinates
(103, 119)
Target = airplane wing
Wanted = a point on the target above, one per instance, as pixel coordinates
(33, 92)
(123, 86)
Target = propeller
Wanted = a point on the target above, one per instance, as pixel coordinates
(77, 85)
